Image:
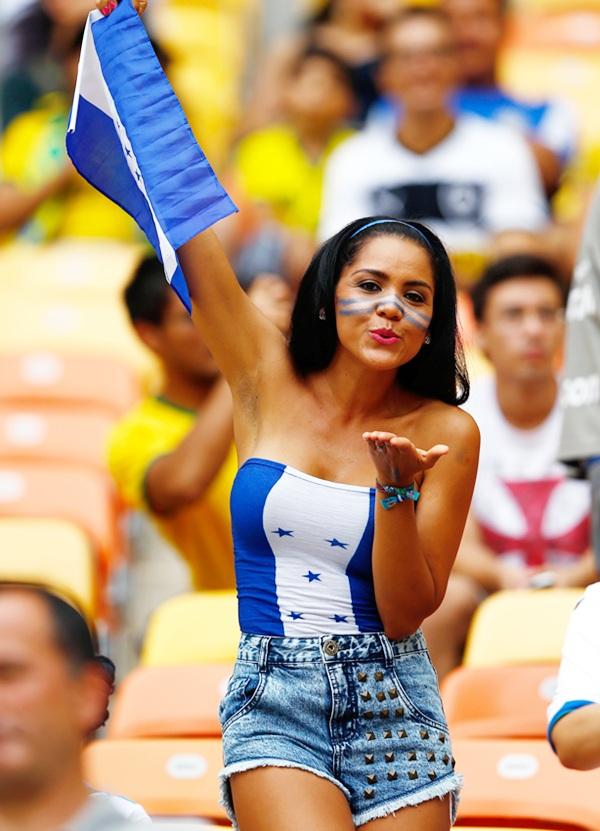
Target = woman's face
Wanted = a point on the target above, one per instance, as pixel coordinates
(384, 302)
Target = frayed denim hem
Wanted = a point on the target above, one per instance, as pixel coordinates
(251, 764)
(449, 785)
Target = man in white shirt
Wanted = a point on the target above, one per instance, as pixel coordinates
(529, 524)
(574, 713)
(463, 176)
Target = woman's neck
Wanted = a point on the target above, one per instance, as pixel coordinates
(356, 392)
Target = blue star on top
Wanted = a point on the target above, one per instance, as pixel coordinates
(138, 175)
(337, 544)
(340, 618)
(311, 576)
(283, 533)
(295, 615)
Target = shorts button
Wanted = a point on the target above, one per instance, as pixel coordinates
(331, 648)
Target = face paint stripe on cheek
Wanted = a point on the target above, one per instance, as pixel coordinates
(347, 302)
(412, 316)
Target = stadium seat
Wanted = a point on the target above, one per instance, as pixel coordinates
(554, 54)
(50, 552)
(520, 627)
(499, 702)
(193, 628)
(69, 268)
(82, 326)
(155, 702)
(62, 491)
(169, 777)
(51, 434)
(518, 781)
(48, 377)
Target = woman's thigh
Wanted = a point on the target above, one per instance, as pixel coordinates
(288, 799)
(433, 815)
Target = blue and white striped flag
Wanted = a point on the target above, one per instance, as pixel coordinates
(129, 137)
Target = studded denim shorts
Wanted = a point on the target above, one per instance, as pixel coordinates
(360, 710)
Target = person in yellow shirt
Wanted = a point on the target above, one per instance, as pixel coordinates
(41, 197)
(172, 456)
(279, 169)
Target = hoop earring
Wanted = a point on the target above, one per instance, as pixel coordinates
(427, 339)
(322, 315)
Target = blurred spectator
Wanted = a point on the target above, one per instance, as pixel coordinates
(29, 66)
(529, 523)
(281, 167)
(580, 393)
(574, 714)
(550, 128)
(40, 195)
(172, 456)
(277, 172)
(464, 176)
(51, 697)
(347, 28)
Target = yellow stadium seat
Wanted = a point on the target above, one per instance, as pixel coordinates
(50, 552)
(83, 326)
(510, 782)
(52, 434)
(69, 268)
(172, 777)
(155, 702)
(91, 382)
(198, 627)
(520, 627)
(499, 702)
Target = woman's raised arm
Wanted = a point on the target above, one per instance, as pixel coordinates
(235, 330)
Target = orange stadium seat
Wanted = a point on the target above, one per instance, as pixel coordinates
(55, 435)
(518, 781)
(499, 702)
(49, 377)
(192, 628)
(525, 626)
(169, 777)
(50, 552)
(63, 491)
(154, 702)
(554, 52)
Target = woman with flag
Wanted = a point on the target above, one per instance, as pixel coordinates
(345, 530)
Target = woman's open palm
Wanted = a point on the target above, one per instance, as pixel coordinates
(397, 460)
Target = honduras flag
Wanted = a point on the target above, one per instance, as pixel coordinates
(129, 137)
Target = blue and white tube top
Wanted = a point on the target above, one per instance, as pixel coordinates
(302, 552)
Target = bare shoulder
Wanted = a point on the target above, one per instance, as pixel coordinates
(441, 423)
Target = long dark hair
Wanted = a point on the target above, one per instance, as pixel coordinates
(438, 370)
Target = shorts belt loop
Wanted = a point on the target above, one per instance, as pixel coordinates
(264, 652)
(387, 649)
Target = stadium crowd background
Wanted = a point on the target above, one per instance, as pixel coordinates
(115, 432)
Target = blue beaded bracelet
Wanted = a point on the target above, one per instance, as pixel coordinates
(394, 495)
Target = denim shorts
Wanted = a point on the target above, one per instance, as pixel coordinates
(359, 710)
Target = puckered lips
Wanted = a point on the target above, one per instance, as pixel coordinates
(385, 336)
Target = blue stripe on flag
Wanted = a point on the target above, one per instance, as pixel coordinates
(184, 193)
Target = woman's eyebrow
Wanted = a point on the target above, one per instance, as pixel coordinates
(375, 272)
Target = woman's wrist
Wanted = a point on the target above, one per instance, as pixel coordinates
(392, 495)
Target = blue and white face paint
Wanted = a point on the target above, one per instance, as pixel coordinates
(350, 307)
